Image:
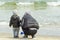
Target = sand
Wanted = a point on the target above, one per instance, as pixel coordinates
(7, 36)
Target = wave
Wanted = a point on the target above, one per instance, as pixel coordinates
(53, 3)
(40, 24)
(24, 3)
(1, 3)
(4, 23)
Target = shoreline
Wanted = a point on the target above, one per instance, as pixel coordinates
(7, 36)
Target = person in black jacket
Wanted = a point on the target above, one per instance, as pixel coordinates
(29, 25)
(15, 22)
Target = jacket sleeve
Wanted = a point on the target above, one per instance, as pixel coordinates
(22, 21)
(19, 21)
(10, 21)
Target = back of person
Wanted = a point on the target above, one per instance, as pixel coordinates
(30, 25)
(15, 21)
(30, 21)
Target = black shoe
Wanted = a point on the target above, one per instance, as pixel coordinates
(25, 37)
(32, 36)
(16, 37)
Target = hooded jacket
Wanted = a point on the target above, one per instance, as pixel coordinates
(29, 21)
(14, 21)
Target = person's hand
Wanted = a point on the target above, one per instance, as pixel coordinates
(9, 25)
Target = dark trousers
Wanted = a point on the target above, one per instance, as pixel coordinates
(29, 32)
(25, 30)
(15, 32)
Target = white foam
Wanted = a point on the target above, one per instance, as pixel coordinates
(4, 23)
(53, 3)
(1, 3)
(24, 3)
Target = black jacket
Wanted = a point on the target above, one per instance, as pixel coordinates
(14, 21)
(29, 21)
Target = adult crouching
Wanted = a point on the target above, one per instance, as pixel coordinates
(29, 25)
(15, 22)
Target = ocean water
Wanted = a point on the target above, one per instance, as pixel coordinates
(47, 31)
(48, 15)
(48, 19)
(30, 0)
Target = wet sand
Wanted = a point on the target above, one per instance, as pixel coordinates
(7, 36)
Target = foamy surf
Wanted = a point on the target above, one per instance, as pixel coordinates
(24, 3)
(53, 3)
(4, 23)
(1, 3)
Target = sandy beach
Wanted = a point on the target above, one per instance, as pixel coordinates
(52, 32)
(46, 14)
(7, 36)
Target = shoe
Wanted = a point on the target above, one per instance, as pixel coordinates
(25, 37)
(33, 36)
(16, 37)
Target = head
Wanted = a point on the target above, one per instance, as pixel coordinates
(27, 13)
(14, 12)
